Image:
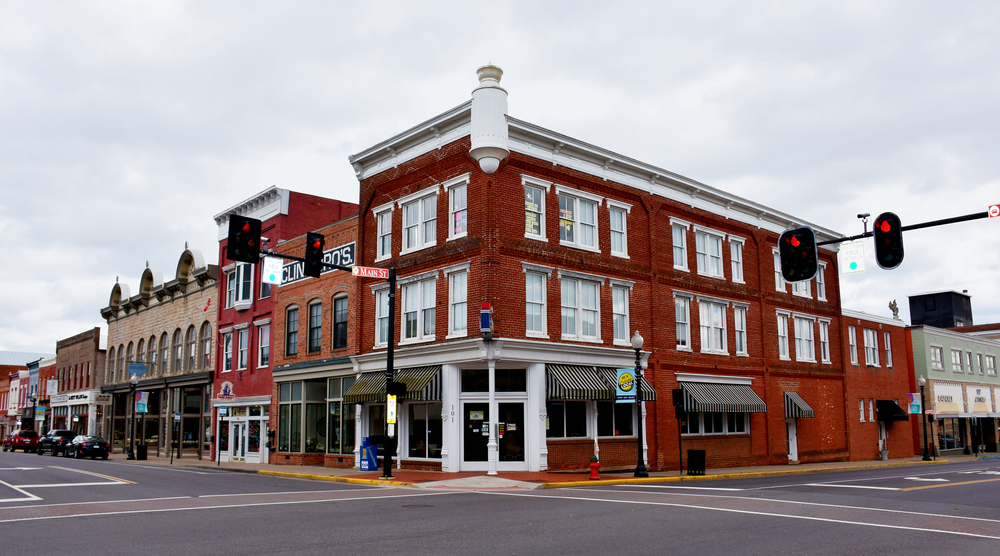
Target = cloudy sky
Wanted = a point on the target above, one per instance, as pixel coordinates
(125, 127)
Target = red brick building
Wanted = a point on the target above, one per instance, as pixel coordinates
(245, 358)
(315, 336)
(78, 403)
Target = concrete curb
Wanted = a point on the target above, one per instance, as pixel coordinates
(650, 480)
(333, 478)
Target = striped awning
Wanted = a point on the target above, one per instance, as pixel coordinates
(721, 398)
(611, 375)
(796, 407)
(584, 382)
(422, 383)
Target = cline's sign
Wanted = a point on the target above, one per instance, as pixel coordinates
(370, 272)
(342, 256)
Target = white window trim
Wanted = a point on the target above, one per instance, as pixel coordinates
(376, 289)
(227, 352)
(802, 289)
(821, 278)
(261, 337)
(402, 203)
(887, 342)
(961, 363)
(871, 410)
(872, 361)
(422, 335)
(582, 276)
(628, 320)
(590, 197)
(627, 209)
(237, 271)
(725, 424)
(545, 186)
(546, 274)
(724, 304)
(577, 335)
(809, 357)
(722, 260)
(742, 243)
(454, 182)
(687, 228)
(852, 344)
(828, 356)
(930, 356)
(690, 299)
(745, 307)
(991, 365)
(388, 207)
(242, 361)
(777, 272)
(448, 271)
(788, 346)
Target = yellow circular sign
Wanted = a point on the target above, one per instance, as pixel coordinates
(626, 382)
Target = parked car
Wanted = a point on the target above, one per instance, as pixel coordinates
(88, 446)
(55, 441)
(26, 440)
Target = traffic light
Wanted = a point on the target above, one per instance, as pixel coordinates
(244, 239)
(797, 248)
(888, 240)
(314, 254)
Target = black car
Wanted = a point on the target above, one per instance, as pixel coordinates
(86, 445)
(55, 441)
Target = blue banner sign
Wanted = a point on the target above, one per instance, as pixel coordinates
(625, 389)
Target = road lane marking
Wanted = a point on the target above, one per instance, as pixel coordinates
(55, 485)
(93, 474)
(21, 468)
(267, 493)
(950, 484)
(686, 487)
(939, 479)
(863, 487)
(28, 496)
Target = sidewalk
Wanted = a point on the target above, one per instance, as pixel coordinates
(479, 480)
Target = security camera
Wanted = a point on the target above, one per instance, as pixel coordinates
(865, 215)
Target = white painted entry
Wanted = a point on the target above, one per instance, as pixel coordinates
(793, 442)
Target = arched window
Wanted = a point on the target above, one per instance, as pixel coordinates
(129, 358)
(178, 351)
(164, 353)
(110, 371)
(120, 374)
(192, 346)
(140, 352)
(151, 354)
(206, 345)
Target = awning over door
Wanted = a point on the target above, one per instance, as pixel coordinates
(796, 407)
(888, 411)
(711, 397)
(422, 383)
(584, 382)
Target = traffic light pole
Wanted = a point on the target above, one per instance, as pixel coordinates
(931, 224)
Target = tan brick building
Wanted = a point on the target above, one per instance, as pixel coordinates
(169, 327)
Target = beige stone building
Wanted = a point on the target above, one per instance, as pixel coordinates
(169, 328)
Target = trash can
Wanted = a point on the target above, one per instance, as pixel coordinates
(696, 462)
(140, 451)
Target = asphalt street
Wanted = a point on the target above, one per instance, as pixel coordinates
(107, 507)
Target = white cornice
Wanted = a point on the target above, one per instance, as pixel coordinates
(847, 313)
(265, 205)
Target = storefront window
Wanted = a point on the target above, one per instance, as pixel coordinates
(567, 419)
(341, 417)
(253, 436)
(424, 432)
(290, 417)
(224, 436)
(951, 434)
(507, 380)
(614, 419)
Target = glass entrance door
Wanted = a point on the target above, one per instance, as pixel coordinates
(239, 442)
(475, 424)
(510, 431)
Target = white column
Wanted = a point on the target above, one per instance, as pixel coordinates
(91, 419)
(491, 446)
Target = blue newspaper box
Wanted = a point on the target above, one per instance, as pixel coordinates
(369, 456)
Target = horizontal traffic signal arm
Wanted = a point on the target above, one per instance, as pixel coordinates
(931, 224)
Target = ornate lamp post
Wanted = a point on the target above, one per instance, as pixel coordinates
(132, 382)
(640, 468)
(923, 411)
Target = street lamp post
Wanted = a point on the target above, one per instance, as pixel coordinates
(640, 468)
(132, 382)
(923, 411)
(34, 411)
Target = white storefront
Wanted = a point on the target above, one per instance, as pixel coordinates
(81, 411)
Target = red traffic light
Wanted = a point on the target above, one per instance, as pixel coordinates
(888, 234)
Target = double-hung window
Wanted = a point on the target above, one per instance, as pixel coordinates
(821, 282)
(315, 326)
(419, 220)
(340, 322)
(291, 331)
(383, 218)
(779, 280)
(244, 349)
(871, 348)
(458, 292)
(578, 218)
(805, 349)
(227, 352)
(619, 235)
(801, 288)
(682, 319)
(419, 310)
(239, 286)
(824, 340)
(708, 246)
(535, 279)
(712, 316)
(740, 322)
(381, 317)
(458, 207)
(888, 351)
(968, 361)
(979, 359)
(991, 365)
(937, 358)
(619, 314)
(956, 360)
(534, 206)
(736, 258)
(783, 336)
(852, 341)
(679, 230)
(263, 345)
(580, 309)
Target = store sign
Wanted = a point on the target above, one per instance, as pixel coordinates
(948, 398)
(979, 399)
(102, 399)
(226, 391)
(390, 404)
(52, 388)
(341, 256)
(625, 389)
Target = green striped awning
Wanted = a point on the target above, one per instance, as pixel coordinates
(796, 407)
(611, 375)
(422, 383)
(721, 398)
(576, 382)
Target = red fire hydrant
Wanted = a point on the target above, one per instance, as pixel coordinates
(594, 466)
